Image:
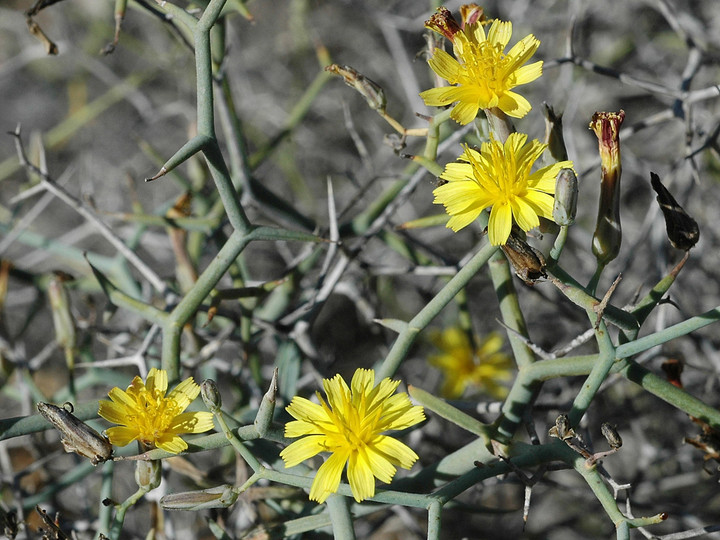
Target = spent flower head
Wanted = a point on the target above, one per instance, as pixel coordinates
(464, 364)
(350, 425)
(499, 177)
(145, 414)
(482, 75)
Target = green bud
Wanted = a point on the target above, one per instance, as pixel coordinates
(566, 196)
(210, 395)
(147, 474)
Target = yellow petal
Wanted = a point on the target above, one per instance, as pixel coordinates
(445, 66)
(191, 422)
(121, 435)
(112, 412)
(327, 478)
(157, 381)
(499, 224)
(170, 443)
(305, 410)
(524, 213)
(527, 74)
(500, 33)
(360, 477)
(465, 112)
(396, 452)
(302, 449)
(514, 104)
(522, 51)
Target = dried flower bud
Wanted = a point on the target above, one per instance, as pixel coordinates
(528, 262)
(218, 497)
(554, 134)
(682, 230)
(611, 435)
(608, 232)
(370, 90)
(211, 395)
(470, 14)
(566, 196)
(443, 23)
(77, 436)
(62, 316)
(147, 474)
(562, 430)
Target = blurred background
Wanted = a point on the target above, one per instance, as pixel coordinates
(107, 122)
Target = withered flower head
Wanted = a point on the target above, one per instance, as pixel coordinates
(682, 230)
(608, 232)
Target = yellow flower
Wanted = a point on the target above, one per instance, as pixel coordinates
(483, 74)
(463, 365)
(350, 426)
(145, 414)
(499, 176)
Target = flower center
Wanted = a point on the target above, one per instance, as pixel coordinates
(153, 415)
(486, 65)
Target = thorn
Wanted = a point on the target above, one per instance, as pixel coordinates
(162, 172)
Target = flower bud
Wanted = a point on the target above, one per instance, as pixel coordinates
(370, 90)
(566, 196)
(682, 230)
(562, 429)
(147, 474)
(76, 435)
(470, 14)
(218, 497)
(211, 395)
(528, 262)
(608, 232)
(444, 23)
(554, 134)
(611, 435)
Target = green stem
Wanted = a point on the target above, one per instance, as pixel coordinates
(121, 510)
(340, 517)
(434, 520)
(407, 337)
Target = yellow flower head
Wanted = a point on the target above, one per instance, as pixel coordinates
(145, 414)
(483, 75)
(350, 426)
(463, 365)
(499, 177)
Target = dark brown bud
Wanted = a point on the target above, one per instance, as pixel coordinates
(528, 262)
(682, 230)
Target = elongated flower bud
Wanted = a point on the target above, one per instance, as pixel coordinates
(63, 320)
(554, 134)
(370, 90)
(217, 497)
(608, 232)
